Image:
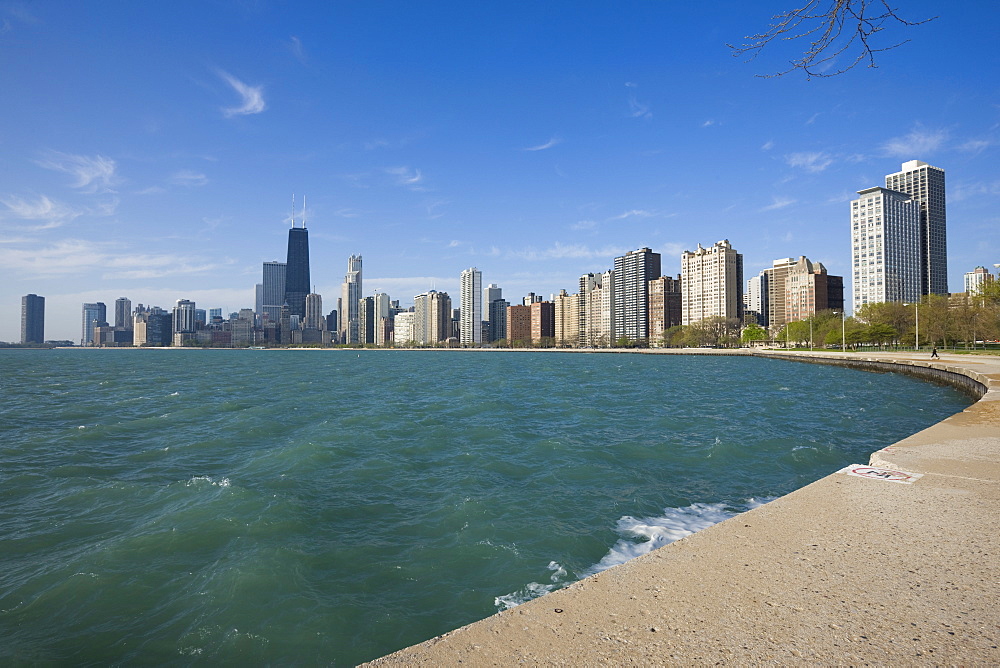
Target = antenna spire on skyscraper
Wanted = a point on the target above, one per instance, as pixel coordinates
(293, 210)
(303, 212)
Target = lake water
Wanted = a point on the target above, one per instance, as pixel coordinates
(328, 507)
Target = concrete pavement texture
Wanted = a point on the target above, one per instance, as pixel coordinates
(849, 570)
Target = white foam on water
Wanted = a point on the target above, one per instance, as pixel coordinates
(206, 480)
(639, 536)
(174, 394)
(522, 595)
(532, 589)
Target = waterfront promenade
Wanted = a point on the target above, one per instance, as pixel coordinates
(849, 570)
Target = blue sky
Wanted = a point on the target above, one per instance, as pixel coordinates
(151, 150)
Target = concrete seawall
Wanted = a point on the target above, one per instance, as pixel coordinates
(849, 570)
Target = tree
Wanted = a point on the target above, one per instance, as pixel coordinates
(753, 333)
(880, 334)
(836, 28)
(797, 332)
(673, 337)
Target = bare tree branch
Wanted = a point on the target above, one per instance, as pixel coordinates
(835, 28)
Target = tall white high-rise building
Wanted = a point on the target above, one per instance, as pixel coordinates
(711, 283)
(925, 184)
(402, 328)
(755, 299)
(471, 318)
(885, 247)
(975, 280)
(349, 296)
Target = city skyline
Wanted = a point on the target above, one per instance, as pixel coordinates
(536, 143)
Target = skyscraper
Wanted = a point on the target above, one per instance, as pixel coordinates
(567, 314)
(350, 294)
(32, 319)
(272, 291)
(432, 319)
(755, 299)
(711, 283)
(495, 307)
(471, 292)
(774, 282)
(93, 314)
(633, 272)
(123, 313)
(664, 305)
(925, 184)
(297, 282)
(975, 280)
(184, 321)
(383, 318)
(885, 247)
(314, 312)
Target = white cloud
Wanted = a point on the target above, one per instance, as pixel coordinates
(73, 257)
(454, 243)
(46, 212)
(581, 225)
(295, 46)
(91, 175)
(917, 144)
(778, 203)
(976, 145)
(406, 177)
(637, 109)
(811, 162)
(541, 147)
(768, 145)
(964, 191)
(709, 123)
(252, 97)
(633, 213)
(187, 177)
(564, 251)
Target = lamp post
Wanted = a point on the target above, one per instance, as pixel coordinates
(843, 331)
(916, 320)
(810, 334)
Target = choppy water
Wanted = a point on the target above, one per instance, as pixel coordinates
(315, 508)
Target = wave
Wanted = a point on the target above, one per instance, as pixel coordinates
(639, 536)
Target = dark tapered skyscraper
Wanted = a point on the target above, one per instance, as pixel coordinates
(297, 284)
(32, 319)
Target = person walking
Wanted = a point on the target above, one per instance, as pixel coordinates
(934, 354)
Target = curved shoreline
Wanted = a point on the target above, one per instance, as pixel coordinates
(846, 570)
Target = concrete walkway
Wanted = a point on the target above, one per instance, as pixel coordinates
(846, 571)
